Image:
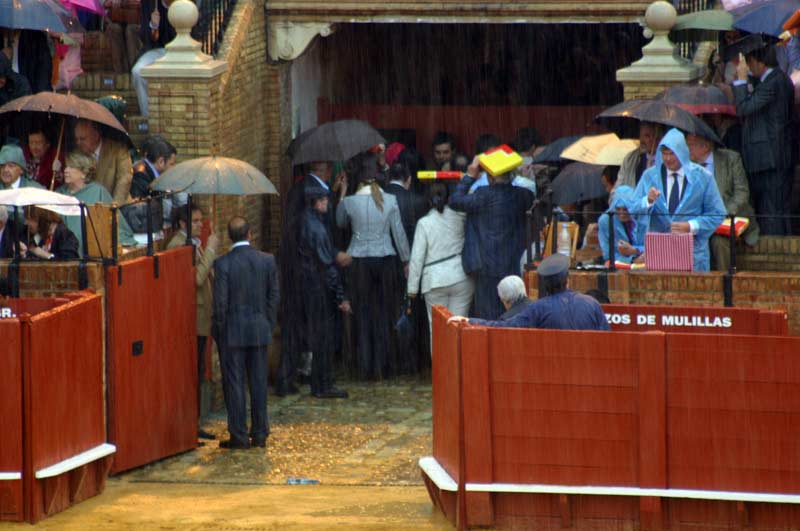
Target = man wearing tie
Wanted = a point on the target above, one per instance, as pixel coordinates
(679, 196)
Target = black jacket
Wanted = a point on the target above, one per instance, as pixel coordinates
(7, 243)
(516, 308)
(412, 207)
(245, 298)
(63, 247)
(317, 260)
(16, 85)
(767, 132)
(165, 31)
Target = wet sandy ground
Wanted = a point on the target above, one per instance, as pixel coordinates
(363, 451)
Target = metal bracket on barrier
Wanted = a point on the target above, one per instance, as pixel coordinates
(727, 289)
(119, 275)
(602, 283)
(83, 275)
(155, 266)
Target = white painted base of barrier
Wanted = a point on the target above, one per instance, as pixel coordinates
(98, 452)
(442, 479)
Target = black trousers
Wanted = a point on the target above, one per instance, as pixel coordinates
(487, 303)
(771, 192)
(245, 366)
(202, 341)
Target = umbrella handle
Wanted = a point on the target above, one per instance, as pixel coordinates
(58, 152)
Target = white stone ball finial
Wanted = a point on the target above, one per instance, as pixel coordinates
(660, 16)
(183, 15)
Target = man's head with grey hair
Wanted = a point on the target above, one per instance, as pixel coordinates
(511, 290)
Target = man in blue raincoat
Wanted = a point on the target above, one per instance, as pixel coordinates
(628, 232)
(679, 196)
(558, 307)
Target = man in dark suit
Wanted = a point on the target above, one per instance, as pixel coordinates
(293, 338)
(498, 211)
(244, 316)
(767, 133)
(412, 205)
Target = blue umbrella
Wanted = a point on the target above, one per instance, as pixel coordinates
(42, 15)
(766, 17)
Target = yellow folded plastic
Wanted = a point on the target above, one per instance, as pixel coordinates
(500, 160)
(740, 224)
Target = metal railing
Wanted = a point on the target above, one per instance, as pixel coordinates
(214, 18)
(687, 49)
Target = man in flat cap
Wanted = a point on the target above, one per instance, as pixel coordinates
(558, 306)
(322, 294)
(767, 133)
(12, 169)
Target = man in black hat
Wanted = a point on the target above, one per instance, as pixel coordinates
(558, 307)
(767, 139)
(321, 291)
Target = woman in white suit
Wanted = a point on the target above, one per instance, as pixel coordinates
(435, 267)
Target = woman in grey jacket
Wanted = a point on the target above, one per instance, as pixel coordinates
(374, 218)
(435, 267)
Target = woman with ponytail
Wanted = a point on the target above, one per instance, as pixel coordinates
(377, 230)
(435, 267)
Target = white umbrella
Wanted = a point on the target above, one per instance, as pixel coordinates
(605, 150)
(64, 205)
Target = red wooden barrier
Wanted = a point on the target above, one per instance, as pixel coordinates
(63, 404)
(696, 319)
(11, 420)
(152, 364)
(596, 430)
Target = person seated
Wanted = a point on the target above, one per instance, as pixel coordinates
(49, 239)
(12, 85)
(628, 233)
(728, 170)
(511, 291)
(6, 234)
(558, 307)
(113, 162)
(42, 164)
(79, 173)
(13, 169)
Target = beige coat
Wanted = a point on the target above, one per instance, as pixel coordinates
(114, 169)
(205, 261)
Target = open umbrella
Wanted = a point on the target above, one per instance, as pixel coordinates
(604, 150)
(339, 140)
(765, 17)
(216, 176)
(699, 99)
(40, 15)
(621, 117)
(552, 151)
(65, 105)
(64, 205)
(703, 25)
(577, 182)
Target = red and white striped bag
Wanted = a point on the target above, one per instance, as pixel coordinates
(664, 251)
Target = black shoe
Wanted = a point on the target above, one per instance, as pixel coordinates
(258, 443)
(229, 444)
(203, 434)
(333, 392)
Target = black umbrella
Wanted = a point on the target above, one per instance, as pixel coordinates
(621, 117)
(699, 99)
(340, 140)
(42, 15)
(552, 151)
(578, 182)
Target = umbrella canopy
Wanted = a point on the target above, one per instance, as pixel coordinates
(64, 205)
(340, 140)
(699, 99)
(42, 15)
(701, 25)
(620, 117)
(214, 175)
(766, 17)
(65, 105)
(92, 6)
(604, 150)
(552, 151)
(577, 182)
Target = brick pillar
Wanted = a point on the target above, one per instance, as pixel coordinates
(661, 64)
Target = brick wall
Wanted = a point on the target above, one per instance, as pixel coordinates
(51, 279)
(777, 291)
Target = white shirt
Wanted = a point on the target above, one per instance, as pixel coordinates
(738, 82)
(693, 225)
(240, 244)
(155, 171)
(16, 184)
(15, 53)
(96, 153)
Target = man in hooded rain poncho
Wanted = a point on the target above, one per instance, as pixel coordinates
(679, 196)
